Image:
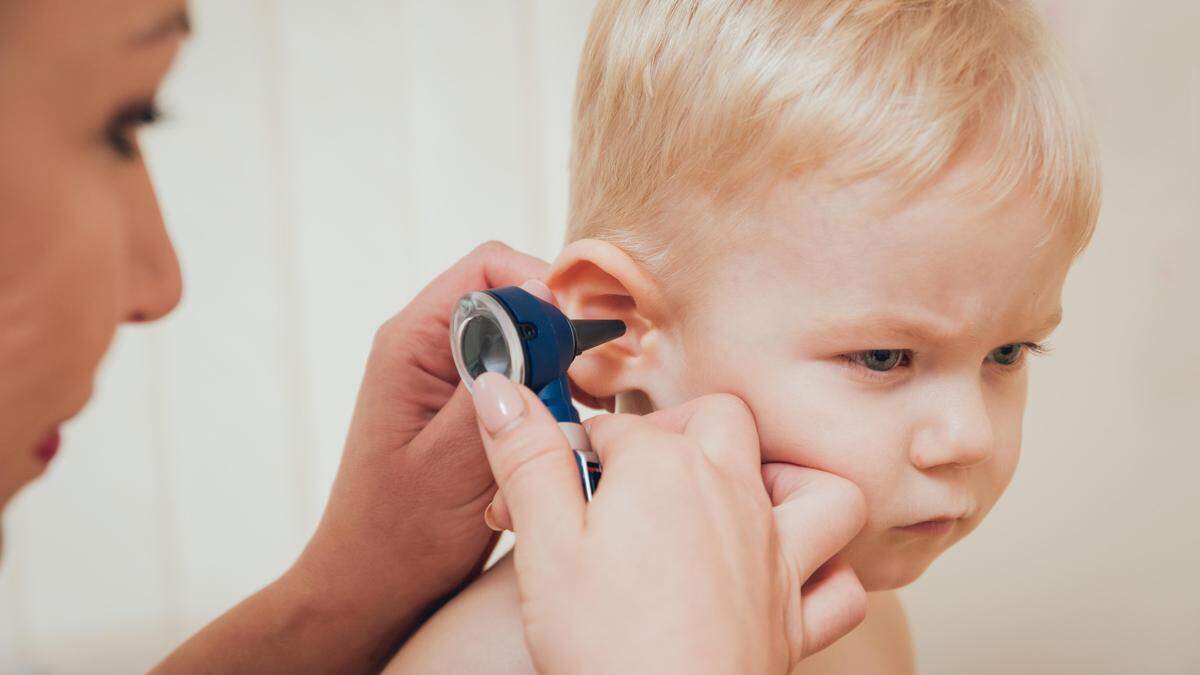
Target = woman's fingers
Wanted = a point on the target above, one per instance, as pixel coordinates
(720, 424)
(614, 436)
(816, 514)
(834, 603)
(724, 427)
(533, 466)
(490, 265)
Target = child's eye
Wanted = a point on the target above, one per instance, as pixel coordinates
(1006, 355)
(879, 360)
(121, 132)
(1010, 354)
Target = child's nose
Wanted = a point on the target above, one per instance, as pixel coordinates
(959, 432)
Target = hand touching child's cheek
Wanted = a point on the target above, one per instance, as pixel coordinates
(892, 350)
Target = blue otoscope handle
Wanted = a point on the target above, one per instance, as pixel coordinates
(557, 397)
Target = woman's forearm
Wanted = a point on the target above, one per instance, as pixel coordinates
(293, 626)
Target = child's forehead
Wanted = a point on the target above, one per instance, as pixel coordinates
(873, 224)
(945, 258)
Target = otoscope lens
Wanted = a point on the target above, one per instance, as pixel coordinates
(483, 347)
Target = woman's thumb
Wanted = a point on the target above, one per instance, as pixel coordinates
(532, 463)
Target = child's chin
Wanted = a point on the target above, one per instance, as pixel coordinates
(889, 571)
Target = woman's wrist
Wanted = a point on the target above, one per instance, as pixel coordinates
(341, 610)
(294, 624)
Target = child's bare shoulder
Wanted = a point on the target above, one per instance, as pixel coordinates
(480, 632)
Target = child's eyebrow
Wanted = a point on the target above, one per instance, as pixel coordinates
(887, 326)
(881, 326)
(1048, 324)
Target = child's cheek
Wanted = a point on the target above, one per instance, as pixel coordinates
(818, 430)
(993, 478)
(990, 479)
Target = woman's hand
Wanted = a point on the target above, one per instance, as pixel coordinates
(680, 563)
(403, 526)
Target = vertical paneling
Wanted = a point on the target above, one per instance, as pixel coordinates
(465, 129)
(12, 642)
(224, 382)
(349, 196)
(298, 429)
(559, 29)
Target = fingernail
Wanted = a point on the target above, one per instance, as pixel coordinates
(541, 290)
(489, 517)
(497, 402)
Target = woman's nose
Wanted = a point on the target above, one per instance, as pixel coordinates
(960, 431)
(154, 283)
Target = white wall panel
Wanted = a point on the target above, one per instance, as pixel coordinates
(465, 130)
(550, 57)
(224, 369)
(349, 195)
(12, 639)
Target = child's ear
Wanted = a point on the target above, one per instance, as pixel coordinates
(593, 279)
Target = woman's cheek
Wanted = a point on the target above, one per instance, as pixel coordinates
(73, 299)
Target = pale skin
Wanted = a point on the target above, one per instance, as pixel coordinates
(942, 286)
(83, 249)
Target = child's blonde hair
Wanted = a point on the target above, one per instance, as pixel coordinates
(684, 102)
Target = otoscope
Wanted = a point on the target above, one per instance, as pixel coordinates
(512, 332)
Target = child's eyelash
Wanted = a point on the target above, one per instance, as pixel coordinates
(1038, 347)
(851, 359)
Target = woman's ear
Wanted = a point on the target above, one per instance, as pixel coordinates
(594, 279)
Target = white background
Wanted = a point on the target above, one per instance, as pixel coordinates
(325, 159)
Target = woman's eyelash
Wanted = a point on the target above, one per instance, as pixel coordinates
(122, 130)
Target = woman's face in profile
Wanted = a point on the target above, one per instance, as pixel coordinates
(82, 242)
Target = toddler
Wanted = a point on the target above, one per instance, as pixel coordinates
(857, 216)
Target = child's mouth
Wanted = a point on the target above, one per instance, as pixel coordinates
(935, 527)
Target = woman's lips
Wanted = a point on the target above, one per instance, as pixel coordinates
(49, 446)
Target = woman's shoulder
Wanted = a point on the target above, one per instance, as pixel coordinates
(881, 644)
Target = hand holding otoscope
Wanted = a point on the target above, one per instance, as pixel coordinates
(511, 332)
(681, 563)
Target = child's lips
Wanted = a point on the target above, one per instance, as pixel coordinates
(936, 525)
(932, 527)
